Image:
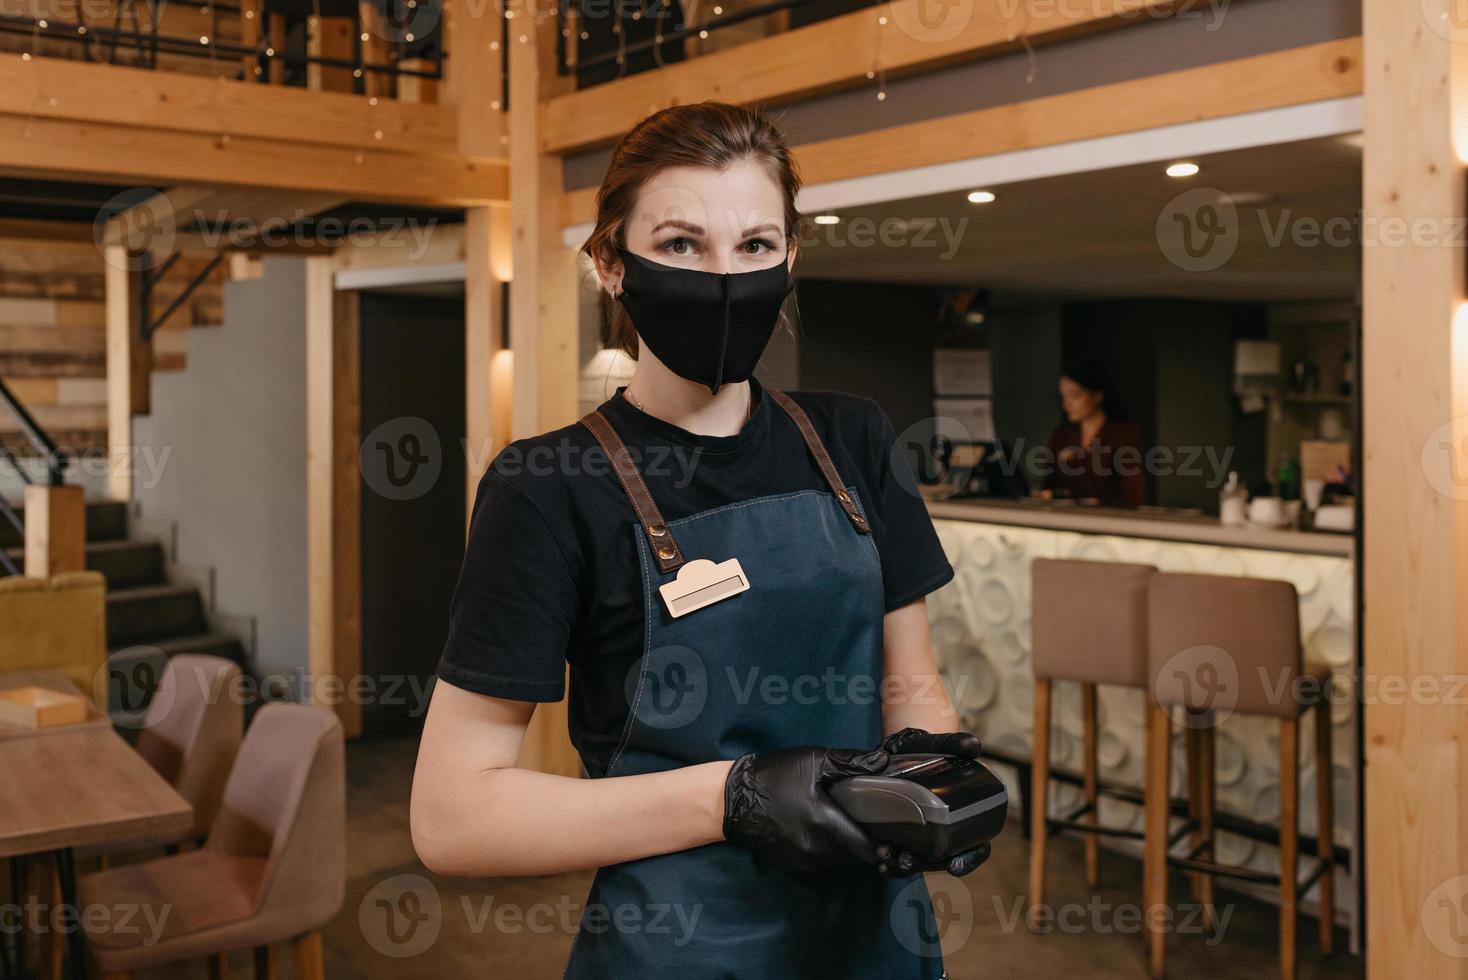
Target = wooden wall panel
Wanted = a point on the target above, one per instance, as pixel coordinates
(1415, 398)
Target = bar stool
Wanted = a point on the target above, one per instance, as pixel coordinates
(1088, 624)
(1218, 645)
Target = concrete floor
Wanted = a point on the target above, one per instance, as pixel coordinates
(401, 923)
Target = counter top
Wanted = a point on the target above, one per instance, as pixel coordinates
(1140, 524)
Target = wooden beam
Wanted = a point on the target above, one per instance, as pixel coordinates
(346, 510)
(1283, 78)
(60, 148)
(129, 366)
(543, 293)
(55, 530)
(329, 37)
(473, 81)
(332, 496)
(543, 308)
(50, 88)
(1291, 77)
(1415, 419)
(486, 271)
(39, 229)
(828, 56)
(375, 49)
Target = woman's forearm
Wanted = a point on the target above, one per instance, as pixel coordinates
(916, 697)
(514, 821)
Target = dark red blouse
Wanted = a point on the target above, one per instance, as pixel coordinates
(1110, 471)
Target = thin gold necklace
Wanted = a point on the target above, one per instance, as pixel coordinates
(748, 403)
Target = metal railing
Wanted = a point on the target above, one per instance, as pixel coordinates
(45, 446)
(101, 43)
(573, 21)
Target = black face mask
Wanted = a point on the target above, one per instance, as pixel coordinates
(707, 327)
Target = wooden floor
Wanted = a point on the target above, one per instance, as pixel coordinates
(522, 928)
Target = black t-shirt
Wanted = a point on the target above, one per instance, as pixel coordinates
(550, 575)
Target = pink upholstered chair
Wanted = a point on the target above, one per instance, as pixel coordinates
(190, 735)
(272, 869)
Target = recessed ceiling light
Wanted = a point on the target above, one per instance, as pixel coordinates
(1182, 170)
(982, 197)
(826, 219)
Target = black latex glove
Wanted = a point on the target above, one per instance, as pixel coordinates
(900, 863)
(776, 806)
(915, 741)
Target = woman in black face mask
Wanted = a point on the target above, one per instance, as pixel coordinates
(740, 601)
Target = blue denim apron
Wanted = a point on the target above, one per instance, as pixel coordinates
(795, 660)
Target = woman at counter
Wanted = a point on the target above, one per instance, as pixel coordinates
(1095, 457)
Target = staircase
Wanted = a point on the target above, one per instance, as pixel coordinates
(145, 612)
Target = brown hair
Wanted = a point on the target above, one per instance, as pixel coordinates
(705, 134)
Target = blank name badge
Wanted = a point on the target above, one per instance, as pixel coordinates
(701, 583)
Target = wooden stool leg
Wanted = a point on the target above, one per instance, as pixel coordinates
(1091, 735)
(310, 963)
(1039, 799)
(1289, 812)
(264, 963)
(1324, 824)
(1208, 784)
(1193, 742)
(1154, 869)
(218, 966)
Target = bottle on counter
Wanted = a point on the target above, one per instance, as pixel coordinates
(1233, 501)
(1287, 477)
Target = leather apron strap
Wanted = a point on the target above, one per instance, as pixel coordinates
(664, 547)
(822, 457)
(665, 550)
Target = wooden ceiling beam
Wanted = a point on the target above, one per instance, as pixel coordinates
(129, 153)
(827, 56)
(52, 88)
(1291, 77)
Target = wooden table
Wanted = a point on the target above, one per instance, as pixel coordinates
(82, 784)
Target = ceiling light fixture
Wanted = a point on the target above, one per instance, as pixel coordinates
(1182, 170)
(982, 197)
(826, 219)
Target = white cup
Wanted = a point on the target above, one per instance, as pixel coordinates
(1268, 511)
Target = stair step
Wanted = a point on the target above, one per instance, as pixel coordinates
(126, 563)
(106, 521)
(211, 644)
(148, 613)
(123, 563)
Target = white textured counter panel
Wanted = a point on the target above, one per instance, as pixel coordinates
(1202, 530)
(981, 636)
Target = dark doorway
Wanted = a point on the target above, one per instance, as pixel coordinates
(412, 470)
